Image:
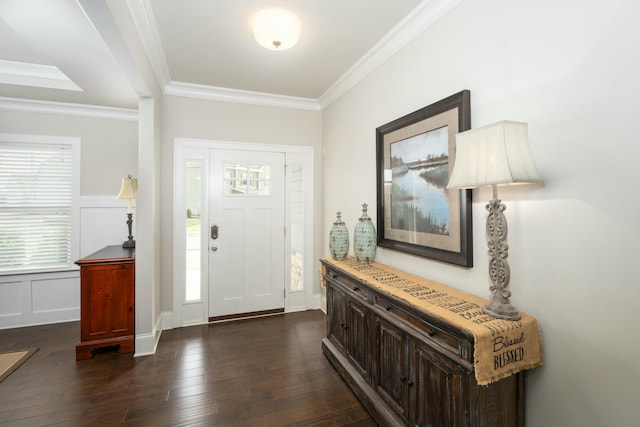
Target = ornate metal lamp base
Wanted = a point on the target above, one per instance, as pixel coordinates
(499, 272)
(501, 310)
(129, 243)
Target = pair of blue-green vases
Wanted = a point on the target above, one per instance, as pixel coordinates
(364, 239)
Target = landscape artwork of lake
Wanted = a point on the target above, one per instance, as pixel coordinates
(420, 172)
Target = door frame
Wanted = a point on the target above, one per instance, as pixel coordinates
(197, 312)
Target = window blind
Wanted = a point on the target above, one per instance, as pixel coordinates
(35, 206)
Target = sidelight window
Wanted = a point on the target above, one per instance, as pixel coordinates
(193, 192)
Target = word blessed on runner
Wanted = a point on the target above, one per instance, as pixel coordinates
(507, 351)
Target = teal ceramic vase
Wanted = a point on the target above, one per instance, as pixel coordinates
(339, 239)
(364, 238)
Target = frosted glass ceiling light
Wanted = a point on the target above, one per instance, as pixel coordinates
(276, 29)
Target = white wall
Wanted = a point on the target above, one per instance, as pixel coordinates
(570, 69)
(109, 147)
(228, 122)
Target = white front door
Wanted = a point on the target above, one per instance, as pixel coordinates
(246, 232)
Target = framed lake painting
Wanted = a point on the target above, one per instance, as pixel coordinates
(416, 212)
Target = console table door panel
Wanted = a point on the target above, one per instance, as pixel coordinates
(101, 286)
(434, 386)
(336, 323)
(122, 313)
(357, 336)
(391, 375)
(94, 299)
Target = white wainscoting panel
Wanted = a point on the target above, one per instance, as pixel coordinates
(11, 301)
(38, 299)
(55, 294)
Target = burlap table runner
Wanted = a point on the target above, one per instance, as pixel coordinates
(501, 348)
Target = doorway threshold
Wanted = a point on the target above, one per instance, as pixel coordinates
(249, 315)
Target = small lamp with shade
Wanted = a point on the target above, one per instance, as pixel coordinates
(129, 191)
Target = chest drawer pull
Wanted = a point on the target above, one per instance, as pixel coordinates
(431, 332)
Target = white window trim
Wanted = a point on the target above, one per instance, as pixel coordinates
(74, 142)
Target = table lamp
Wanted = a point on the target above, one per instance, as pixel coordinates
(497, 154)
(129, 191)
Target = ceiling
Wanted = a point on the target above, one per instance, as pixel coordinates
(203, 45)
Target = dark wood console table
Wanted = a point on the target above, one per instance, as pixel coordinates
(107, 301)
(410, 365)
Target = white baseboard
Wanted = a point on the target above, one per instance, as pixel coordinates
(36, 319)
(167, 320)
(147, 344)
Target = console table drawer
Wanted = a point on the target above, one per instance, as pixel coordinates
(458, 345)
(349, 284)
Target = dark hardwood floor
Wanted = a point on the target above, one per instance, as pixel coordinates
(259, 372)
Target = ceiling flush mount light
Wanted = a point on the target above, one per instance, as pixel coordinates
(276, 29)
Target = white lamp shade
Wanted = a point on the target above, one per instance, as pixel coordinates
(129, 188)
(276, 29)
(494, 154)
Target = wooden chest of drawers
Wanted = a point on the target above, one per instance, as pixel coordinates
(107, 301)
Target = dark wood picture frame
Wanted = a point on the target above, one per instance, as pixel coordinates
(446, 235)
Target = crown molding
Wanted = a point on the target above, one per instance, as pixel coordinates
(422, 17)
(145, 23)
(213, 93)
(69, 109)
(36, 75)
